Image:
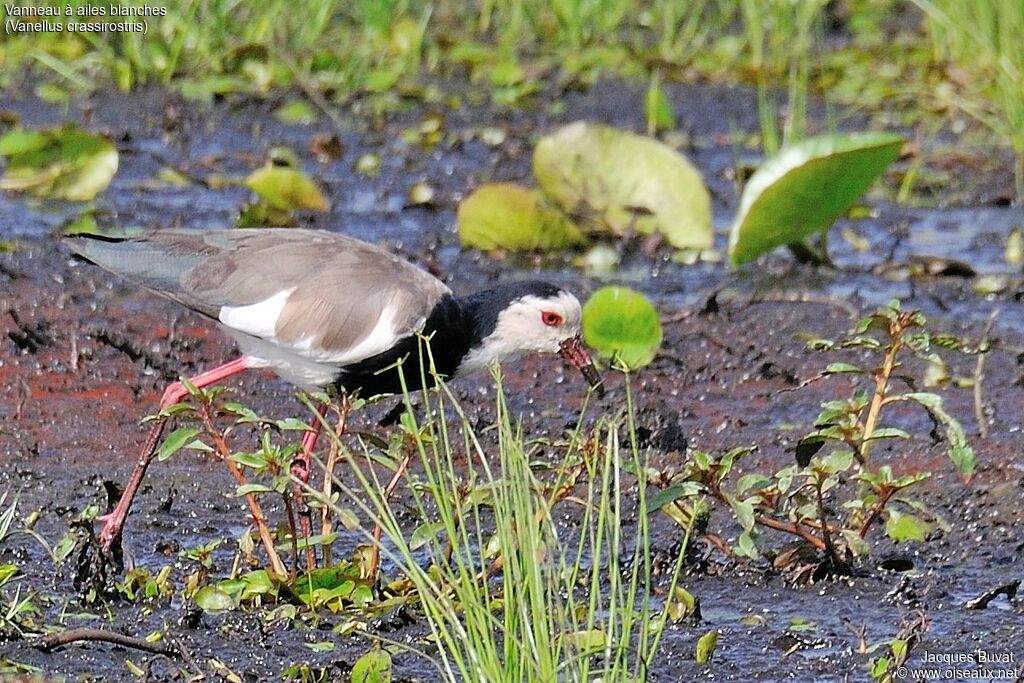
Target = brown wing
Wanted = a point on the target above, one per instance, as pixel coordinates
(316, 293)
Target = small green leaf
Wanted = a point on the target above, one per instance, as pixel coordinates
(706, 647)
(286, 188)
(213, 600)
(744, 510)
(246, 489)
(840, 368)
(837, 461)
(903, 527)
(681, 605)
(424, 533)
(804, 188)
(297, 112)
(657, 108)
(585, 641)
(254, 460)
(889, 433)
(20, 141)
(7, 571)
(621, 323)
(671, 494)
(1015, 247)
(292, 424)
(373, 667)
(175, 442)
(243, 412)
(751, 481)
(960, 451)
(506, 216)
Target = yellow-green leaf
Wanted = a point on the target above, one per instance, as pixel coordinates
(61, 163)
(624, 182)
(373, 667)
(286, 188)
(506, 216)
(706, 647)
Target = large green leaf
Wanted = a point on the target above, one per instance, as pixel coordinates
(805, 187)
(621, 323)
(506, 216)
(61, 163)
(621, 181)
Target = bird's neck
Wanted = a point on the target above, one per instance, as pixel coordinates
(453, 329)
(480, 313)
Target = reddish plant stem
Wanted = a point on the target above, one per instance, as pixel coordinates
(326, 519)
(388, 490)
(883, 499)
(74, 635)
(896, 329)
(255, 510)
(790, 528)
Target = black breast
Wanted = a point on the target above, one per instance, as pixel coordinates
(450, 331)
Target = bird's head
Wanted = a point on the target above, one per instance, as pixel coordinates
(530, 317)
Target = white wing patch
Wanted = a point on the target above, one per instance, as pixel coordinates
(306, 362)
(381, 338)
(258, 319)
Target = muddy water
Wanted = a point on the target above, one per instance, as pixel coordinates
(84, 356)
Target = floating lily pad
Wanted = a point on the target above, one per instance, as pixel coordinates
(63, 163)
(805, 187)
(621, 181)
(506, 216)
(286, 189)
(621, 323)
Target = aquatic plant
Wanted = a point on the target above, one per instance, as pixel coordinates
(58, 163)
(780, 36)
(15, 610)
(511, 595)
(983, 37)
(802, 190)
(801, 499)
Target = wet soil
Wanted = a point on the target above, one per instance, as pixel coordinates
(83, 357)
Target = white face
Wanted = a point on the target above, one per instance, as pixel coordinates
(529, 325)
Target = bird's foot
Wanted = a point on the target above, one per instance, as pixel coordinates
(109, 541)
(99, 560)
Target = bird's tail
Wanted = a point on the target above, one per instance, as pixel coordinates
(137, 259)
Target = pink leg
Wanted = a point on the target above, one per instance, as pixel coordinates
(113, 523)
(300, 466)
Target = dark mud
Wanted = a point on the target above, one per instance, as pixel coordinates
(83, 357)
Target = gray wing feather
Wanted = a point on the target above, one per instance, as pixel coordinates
(340, 285)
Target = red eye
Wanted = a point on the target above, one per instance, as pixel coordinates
(550, 318)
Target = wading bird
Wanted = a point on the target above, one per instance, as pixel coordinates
(324, 310)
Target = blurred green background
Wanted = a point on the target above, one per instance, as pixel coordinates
(919, 63)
